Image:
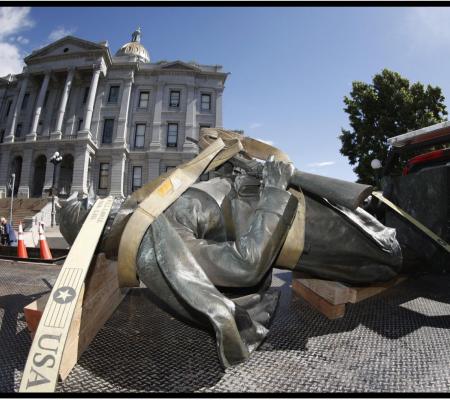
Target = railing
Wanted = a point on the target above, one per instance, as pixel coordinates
(70, 137)
(19, 138)
(43, 137)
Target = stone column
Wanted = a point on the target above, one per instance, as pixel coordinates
(117, 174)
(121, 134)
(153, 168)
(86, 128)
(4, 172)
(27, 170)
(62, 106)
(156, 131)
(71, 126)
(38, 109)
(219, 93)
(12, 124)
(190, 125)
(80, 170)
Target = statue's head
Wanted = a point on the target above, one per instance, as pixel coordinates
(73, 212)
(245, 184)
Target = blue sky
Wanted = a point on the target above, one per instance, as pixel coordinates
(290, 67)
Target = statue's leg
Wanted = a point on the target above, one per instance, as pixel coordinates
(337, 249)
(183, 286)
(160, 290)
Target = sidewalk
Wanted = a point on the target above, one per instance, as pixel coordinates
(54, 237)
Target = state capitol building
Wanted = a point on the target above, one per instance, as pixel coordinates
(117, 120)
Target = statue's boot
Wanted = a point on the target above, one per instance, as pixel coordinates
(348, 246)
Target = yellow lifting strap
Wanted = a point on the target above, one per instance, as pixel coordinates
(154, 198)
(441, 242)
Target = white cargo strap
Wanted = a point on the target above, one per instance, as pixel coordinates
(295, 240)
(441, 242)
(254, 148)
(41, 370)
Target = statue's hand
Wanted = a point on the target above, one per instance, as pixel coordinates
(277, 173)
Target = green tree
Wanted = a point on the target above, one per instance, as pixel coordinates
(389, 106)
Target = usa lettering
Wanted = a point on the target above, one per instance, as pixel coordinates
(43, 359)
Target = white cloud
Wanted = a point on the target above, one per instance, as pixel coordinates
(12, 20)
(322, 164)
(427, 26)
(60, 32)
(22, 40)
(269, 142)
(255, 125)
(10, 59)
(19, 39)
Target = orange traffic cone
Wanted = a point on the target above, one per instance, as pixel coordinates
(21, 249)
(43, 245)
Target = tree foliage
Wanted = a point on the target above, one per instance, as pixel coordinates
(389, 106)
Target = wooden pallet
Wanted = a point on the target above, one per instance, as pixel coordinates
(101, 297)
(330, 297)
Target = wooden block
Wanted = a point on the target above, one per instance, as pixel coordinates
(340, 293)
(364, 292)
(332, 291)
(99, 298)
(33, 313)
(90, 324)
(331, 311)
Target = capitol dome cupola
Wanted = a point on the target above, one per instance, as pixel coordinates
(135, 48)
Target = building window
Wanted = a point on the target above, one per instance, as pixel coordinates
(137, 178)
(205, 102)
(25, 101)
(2, 135)
(108, 128)
(139, 136)
(19, 130)
(203, 126)
(103, 179)
(172, 135)
(39, 128)
(80, 124)
(174, 100)
(86, 94)
(144, 97)
(113, 94)
(8, 108)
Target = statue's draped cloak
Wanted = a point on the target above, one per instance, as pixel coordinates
(188, 253)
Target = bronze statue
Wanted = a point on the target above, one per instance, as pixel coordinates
(209, 256)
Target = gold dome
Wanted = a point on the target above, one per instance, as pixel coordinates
(135, 48)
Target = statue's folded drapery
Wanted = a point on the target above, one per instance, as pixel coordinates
(191, 250)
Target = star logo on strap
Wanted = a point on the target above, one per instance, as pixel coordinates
(64, 295)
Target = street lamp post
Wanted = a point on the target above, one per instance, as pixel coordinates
(376, 166)
(55, 160)
(13, 182)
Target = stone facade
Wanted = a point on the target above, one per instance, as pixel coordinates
(118, 121)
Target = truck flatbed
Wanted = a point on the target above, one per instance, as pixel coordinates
(397, 341)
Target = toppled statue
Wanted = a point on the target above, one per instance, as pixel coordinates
(209, 256)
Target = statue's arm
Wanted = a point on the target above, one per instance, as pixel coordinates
(245, 261)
